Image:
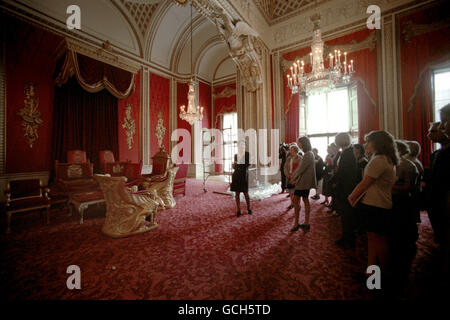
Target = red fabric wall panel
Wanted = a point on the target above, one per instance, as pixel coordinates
(159, 100)
(182, 91)
(205, 102)
(134, 99)
(418, 56)
(28, 59)
(365, 62)
(291, 101)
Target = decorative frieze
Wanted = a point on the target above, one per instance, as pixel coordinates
(225, 93)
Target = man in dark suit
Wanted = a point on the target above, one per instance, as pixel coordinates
(346, 180)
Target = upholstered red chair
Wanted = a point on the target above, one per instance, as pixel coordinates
(115, 169)
(74, 177)
(25, 195)
(106, 156)
(76, 156)
(179, 184)
(133, 172)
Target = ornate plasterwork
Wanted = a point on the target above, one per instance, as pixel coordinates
(275, 11)
(369, 43)
(334, 15)
(241, 39)
(129, 126)
(31, 117)
(225, 93)
(142, 12)
(160, 130)
(105, 54)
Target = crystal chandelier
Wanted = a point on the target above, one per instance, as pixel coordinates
(320, 80)
(193, 113)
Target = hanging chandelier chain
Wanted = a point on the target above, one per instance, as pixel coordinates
(191, 114)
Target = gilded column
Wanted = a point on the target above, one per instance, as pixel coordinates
(390, 110)
(173, 115)
(145, 119)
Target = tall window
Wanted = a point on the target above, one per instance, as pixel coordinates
(441, 82)
(230, 133)
(323, 116)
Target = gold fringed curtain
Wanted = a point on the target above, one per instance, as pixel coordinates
(94, 76)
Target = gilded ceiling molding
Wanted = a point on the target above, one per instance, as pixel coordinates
(180, 2)
(105, 54)
(31, 117)
(411, 30)
(225, 81)
(276, 11)
(225, 93)
(369, 43)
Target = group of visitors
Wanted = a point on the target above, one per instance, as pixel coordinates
(379, 188)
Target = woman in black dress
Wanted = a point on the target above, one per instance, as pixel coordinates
(239, 179)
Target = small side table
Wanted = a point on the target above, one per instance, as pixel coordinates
(81, 201)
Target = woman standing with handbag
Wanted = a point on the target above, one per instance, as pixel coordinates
(305, 179)
(292, 162)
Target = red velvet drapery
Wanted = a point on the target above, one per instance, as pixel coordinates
(365, 61)
(420, 53)
(94, 75)
(84, 121)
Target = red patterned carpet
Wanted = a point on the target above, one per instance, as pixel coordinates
(201, 250)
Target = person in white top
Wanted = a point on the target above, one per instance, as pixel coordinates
(375, 193)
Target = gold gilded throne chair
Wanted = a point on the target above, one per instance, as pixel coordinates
(127, 213)
(162, 178)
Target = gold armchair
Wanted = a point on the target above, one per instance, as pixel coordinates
(164, 188)
(127, 211)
